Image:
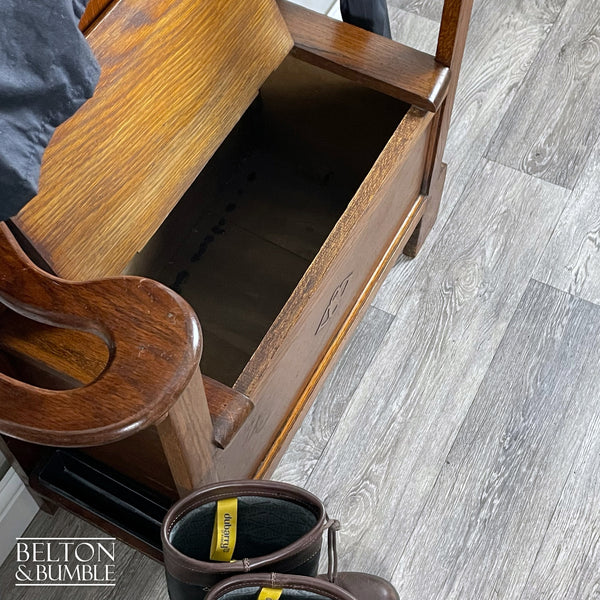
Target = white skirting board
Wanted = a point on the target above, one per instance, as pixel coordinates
(17, 509)
(322, 6)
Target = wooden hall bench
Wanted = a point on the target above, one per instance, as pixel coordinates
(292, 159)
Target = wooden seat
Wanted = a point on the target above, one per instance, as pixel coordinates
(266, 162)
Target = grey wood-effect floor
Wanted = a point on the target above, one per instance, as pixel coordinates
(458, 439)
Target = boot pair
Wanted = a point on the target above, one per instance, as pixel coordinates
(257, 540)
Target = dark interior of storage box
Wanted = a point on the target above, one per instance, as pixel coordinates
(247, 229)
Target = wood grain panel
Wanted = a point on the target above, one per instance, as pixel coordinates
(146, 461)
(346, 329)
(571, 261)
(327, 412)
(186, 435)
(452, 314)
(316, 311)
(176, 77)
(499, 486)
(93, 10)
(399, 71)
(80, 356)
(552, 135)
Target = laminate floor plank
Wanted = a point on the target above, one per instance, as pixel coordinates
(382, 461)
(485, 520)
(429, 9)
(568, 564)
(331, 402)
(137, 577)
(413, 30)
(571, 261)
(552, 124)
(504, 40)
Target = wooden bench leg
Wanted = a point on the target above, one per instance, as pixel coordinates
(186, 434)
(450, 49)
(427, 221)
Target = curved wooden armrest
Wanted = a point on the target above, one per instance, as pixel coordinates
(154, 343)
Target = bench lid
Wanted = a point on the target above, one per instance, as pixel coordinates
(176, 77)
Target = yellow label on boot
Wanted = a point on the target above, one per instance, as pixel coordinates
(269, 594)
(224, 530)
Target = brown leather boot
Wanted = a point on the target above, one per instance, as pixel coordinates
(279, 528)
(275, 586)
(363, 586)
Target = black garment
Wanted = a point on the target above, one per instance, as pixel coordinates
(371, 15)
(47, 71)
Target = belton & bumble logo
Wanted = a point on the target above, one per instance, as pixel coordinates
(65, 562)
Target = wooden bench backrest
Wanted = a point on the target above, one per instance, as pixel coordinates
(176, 77)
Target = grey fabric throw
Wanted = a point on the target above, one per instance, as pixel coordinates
(47, 71)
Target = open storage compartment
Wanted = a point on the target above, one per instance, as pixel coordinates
(250, 226)
(280, 241)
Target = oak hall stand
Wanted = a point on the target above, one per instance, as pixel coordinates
(279, 159)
